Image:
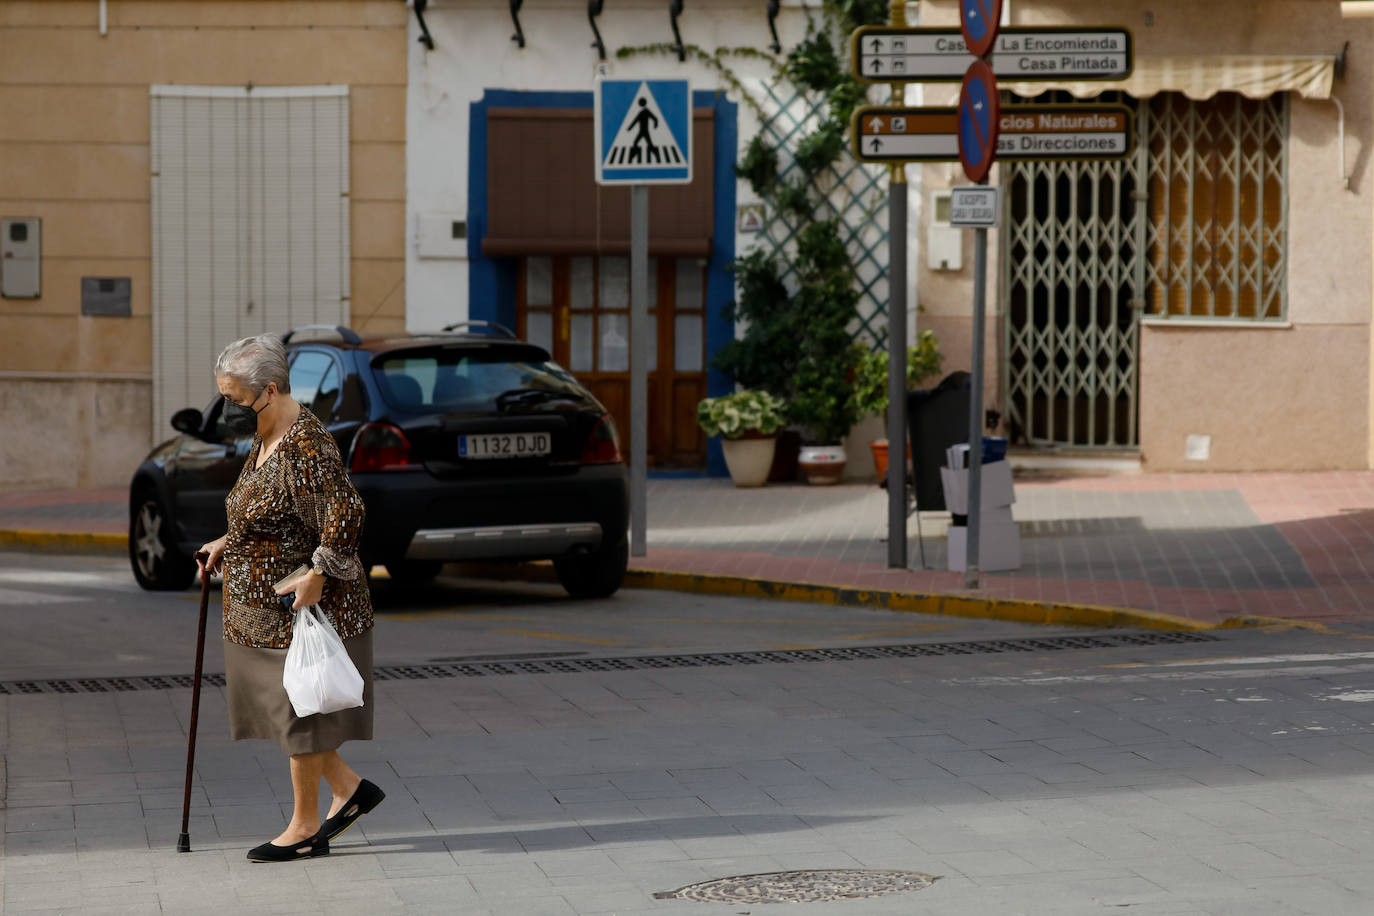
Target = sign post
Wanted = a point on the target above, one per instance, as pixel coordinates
(896, 342)
(977, 133)
(979, 124)
(643, 136)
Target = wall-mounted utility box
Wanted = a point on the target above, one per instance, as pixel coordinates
(442, 235)
(21, 258)
(944, 243)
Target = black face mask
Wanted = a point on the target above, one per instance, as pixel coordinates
(240, 419)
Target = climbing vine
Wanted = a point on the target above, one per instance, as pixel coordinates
(798, 343)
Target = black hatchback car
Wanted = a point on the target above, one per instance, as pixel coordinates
(466, 444)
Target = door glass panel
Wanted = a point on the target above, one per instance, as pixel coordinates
(688, 284)
(687, 342)
(653, 283)
(580, 343)
(539, 281)
(615, 283)
(653, 341)
(539, 329)
(615, 342)
(581, 286)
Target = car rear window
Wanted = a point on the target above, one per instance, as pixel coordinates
(466, 378)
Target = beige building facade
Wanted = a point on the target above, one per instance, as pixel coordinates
(113, 117)
(1207, 304)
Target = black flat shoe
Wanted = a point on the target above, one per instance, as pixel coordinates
(364, 798)
(315, 846)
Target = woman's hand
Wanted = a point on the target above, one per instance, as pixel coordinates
(211, 555)
(307, 586)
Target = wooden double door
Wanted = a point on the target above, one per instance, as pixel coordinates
(579, 309)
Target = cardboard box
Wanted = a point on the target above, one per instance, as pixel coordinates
(999, 542)
(996, 492)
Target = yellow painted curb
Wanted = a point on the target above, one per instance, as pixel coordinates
(1051, 613)
(58, 541)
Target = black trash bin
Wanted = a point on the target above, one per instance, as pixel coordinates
(936, 419)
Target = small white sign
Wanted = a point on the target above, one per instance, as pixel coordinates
(974, 206)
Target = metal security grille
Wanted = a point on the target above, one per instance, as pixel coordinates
(1072, 271)
(856, 193)
(1218, 206)
(533, 664)
(1193, 226)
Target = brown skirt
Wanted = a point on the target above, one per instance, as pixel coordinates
(260, 708)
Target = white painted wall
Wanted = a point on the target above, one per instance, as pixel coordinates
(473, 52)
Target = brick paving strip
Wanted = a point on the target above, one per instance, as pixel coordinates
(1187, 549)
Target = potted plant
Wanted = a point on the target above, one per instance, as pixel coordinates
(869, 391)
(826, 305)
(747, 422)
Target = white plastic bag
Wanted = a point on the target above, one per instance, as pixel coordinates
(319, 676)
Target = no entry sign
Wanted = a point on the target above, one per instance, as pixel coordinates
(979, 21)
(978, 121)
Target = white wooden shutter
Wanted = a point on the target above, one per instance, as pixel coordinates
(249, 221)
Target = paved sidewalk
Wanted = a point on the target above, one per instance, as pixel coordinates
(1207, 547)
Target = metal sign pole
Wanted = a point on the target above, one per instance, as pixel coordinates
(639, 362)
(896, 342)
(896, 370)
(975, 408)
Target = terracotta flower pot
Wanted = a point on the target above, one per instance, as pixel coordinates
(879, 447)
(823, 464)
(749, 459)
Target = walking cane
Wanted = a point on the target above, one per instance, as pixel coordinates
(184, 841)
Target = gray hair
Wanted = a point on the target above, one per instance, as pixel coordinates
(255, 362)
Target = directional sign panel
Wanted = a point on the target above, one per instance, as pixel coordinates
(643, 131)
(883, 54)
(1025, 132)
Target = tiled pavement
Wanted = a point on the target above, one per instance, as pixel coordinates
(1058, 784)
(1203, 546)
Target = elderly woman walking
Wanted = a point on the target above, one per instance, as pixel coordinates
(293, 507)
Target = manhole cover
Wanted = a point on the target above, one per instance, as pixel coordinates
(814, 886)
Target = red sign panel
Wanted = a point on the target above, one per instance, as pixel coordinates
(979, 121)
(979, 20)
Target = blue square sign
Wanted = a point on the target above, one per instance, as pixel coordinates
(643, 132)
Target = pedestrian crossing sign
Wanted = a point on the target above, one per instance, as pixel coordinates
(643, 132)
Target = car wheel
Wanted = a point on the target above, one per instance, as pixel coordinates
(594, 575)
(157, 563)
(407, 572)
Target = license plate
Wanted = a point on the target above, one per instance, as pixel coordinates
(504, 445)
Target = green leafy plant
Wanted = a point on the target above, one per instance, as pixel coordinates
(759, 166)
(817, 151)
(766, 355)
(734, 415)
(868, 392)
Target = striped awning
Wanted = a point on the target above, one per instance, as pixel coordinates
(1199, 78)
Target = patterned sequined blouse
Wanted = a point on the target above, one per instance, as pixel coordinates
(299, 507)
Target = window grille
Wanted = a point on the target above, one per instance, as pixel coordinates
(1218, 210)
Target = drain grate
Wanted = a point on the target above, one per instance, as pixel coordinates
(811, 886)
(528, 664)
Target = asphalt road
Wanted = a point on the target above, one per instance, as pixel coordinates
(80, 616)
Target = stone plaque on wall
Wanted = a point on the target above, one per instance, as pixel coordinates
(106, 296)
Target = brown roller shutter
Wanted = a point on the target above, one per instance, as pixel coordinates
(543, 199)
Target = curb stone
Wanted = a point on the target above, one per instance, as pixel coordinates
(1049, 613)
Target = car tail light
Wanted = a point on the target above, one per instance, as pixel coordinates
(380, 447)
(603, 445)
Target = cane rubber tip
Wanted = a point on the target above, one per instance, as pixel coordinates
(184, 843)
